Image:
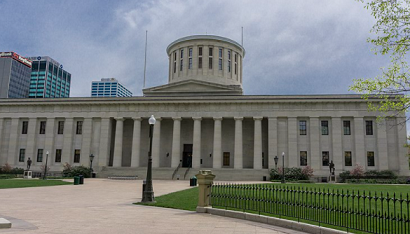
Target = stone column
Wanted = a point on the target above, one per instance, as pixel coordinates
(196, 154)
(257, 143)
(176, 142)
(217, 152)
(2, 161)
(292, 156)
(402, 150)
(383, 160)
(337, 154)
(273, 141)
(315, 154)
(86, 144)
(117, 161)
(359, 142)
(31, 140)
(205, 180)
(238, 158)
(13, 141)
(49, 142)
(156, 142)
(67, 153)
(136, 143)
(104, 148)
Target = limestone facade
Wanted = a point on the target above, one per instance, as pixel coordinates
(203, 122)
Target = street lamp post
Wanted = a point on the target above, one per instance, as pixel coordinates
(91, 164)
(276, 162)
(45, 168)
(283, 167)
(148, 194)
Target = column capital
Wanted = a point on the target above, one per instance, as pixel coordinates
(238, 118)
(136, 118)
(177, 118)
(217, 118)
(257, 118)
(119, 118)
(358, 117)
(197, 118)
(157, 118)
(84, 118)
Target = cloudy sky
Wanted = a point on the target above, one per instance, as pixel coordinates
(292, 47)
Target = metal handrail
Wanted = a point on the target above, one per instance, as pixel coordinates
(186, 172)
(176, 170)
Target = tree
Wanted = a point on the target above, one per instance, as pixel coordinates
(392, 29)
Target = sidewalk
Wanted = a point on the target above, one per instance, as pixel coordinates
(105, 206)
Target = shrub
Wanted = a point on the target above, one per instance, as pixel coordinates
(70, 171)
(357, 171)
(291, 174)
(6, 169)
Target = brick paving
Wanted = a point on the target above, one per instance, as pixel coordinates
(105, 206)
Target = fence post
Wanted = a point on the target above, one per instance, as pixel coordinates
(205, 179)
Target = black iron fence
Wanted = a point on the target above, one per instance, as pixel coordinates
(368, 212)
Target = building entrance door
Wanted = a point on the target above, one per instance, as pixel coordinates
(187, 156)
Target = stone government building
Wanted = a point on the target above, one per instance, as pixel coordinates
(203, 121)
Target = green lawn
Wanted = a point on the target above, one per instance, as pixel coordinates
(21, 183)
(184, 200)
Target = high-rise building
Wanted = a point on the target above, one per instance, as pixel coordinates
(14, 75)
(109, 87)
(48, 79)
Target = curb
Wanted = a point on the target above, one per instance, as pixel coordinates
(304, 227)
(4, 223)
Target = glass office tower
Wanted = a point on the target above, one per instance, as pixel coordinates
(48, 79)
(109, 87)
(14, 75)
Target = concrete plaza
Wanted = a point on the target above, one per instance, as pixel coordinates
(105, 206)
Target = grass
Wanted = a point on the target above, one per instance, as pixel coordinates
(21, 183)
(184, 200)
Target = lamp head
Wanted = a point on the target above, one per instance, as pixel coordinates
(92, 157)
(152, 120)
(283, 154)
(47, 152)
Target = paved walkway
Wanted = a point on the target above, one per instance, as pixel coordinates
(105, 206)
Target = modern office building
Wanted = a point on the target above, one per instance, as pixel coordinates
(109, 87)
(14, 75)
(48, 79)
(203, 121)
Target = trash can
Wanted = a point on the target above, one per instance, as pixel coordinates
(192, 181)
(81, 179)
(93, 175)
(76, 180)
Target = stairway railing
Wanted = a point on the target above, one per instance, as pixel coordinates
(176, 170)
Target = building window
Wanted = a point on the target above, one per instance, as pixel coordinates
(370, 158)
(42, 127)
(227, 158)
(302, 127)
(200, 57)
(369, 127)
(58, 155)
(348, 159)
(303, 158)
(190, 58)
(40, 155)
(236, 63)
(22, 155)
(325, 158)
(79, 129)
(346, 127)
(60, 127)
(229, 61)
(210, 58)
(77, 153)
(175, 62)
(25, 127)
(325, 127)
(181, 65)
(220, 59)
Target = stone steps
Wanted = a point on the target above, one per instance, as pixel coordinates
(224, 174)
